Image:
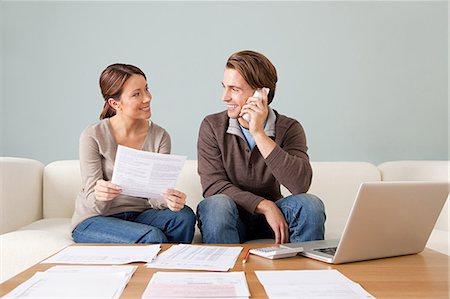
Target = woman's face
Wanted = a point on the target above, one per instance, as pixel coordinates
(135, 99)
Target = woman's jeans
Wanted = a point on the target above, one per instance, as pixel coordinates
(150, 226)
(221, 221)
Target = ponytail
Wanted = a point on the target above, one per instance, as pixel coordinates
(107, 111)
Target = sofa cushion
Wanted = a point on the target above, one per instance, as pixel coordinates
(61, 184)
(57, 226)
(439, 241)
(420, 171)
(22, 249)
(20, 192)
(337, 184)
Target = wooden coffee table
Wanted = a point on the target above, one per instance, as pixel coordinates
(423, 275)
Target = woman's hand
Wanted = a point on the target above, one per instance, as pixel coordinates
(175, 199)
(106, 191)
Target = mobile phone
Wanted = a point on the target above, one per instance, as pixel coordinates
(276, 252)
(257, 94)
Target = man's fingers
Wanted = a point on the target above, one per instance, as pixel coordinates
(277, 236)
(286, 234)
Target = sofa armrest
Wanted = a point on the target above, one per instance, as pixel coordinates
(20, 192)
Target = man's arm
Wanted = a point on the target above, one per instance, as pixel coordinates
(288, 161)
(290, 165)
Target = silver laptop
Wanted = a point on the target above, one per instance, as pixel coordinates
(387, 219)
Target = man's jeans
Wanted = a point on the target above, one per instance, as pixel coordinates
(222, 222)
(150, 226)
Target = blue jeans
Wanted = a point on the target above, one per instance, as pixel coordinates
(221, 221)
(149, 226)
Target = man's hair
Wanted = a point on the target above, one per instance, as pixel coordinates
(256, 69)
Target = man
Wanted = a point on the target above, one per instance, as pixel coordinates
(242, 164)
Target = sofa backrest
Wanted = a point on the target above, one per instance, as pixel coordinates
(336, 183)
(420, 171)
(20, 192)
(61, 184)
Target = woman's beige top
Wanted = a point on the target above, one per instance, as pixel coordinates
(97, 155)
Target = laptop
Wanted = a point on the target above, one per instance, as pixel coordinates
(387, 219)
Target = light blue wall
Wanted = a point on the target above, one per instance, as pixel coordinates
(367, 80)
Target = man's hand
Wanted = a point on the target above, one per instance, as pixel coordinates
(275, 219)
(175, 199)
(106, 191)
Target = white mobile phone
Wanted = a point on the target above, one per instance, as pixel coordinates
(258, 95)
(276, 252)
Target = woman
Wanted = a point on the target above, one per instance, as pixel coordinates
(102, 214)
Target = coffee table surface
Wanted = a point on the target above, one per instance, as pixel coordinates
(423, 275)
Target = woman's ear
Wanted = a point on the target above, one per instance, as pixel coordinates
(114, 104)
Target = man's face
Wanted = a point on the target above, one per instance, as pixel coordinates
(236, 91)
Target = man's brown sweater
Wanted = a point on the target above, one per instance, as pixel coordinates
(227, 165)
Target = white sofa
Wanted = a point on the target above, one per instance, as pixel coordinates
(37, 201)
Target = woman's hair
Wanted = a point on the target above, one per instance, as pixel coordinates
(256, 69)
(112, 80)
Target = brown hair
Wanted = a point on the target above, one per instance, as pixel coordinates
(256, 69)
(112, 80)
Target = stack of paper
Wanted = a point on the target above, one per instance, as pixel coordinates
(105, 255)
(310, 284)
(75, 282)
(197, 257)
(197, 285)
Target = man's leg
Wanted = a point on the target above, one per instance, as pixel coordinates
(111, 229)
(218, 220)
(305, 216)
(177, 226)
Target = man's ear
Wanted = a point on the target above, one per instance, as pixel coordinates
(113, 103)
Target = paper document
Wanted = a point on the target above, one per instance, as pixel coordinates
(197, 285)
(310, 284)
(197, 257)
(115, 255)
(75, 282)
(145, 174)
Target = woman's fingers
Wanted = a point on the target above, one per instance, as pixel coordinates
(105, 190)
(175, 199)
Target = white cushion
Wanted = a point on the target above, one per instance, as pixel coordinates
(439, 241)
(22, 249)
(420, 171)
(20, 192)
(61, 184)
(58, 226)
(336, 184)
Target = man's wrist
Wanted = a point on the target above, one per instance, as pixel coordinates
(264, 206)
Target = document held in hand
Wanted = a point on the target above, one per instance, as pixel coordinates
(145, 174)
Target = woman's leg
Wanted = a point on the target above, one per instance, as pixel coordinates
(177, 226)
(110, 229)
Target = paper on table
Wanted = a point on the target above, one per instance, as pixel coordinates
(128, 271)
(310, 284)
(71, 285)
(145, 174)
(197, 257)
(197, 285)
(104, 255)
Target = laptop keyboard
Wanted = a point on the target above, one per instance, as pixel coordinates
(330, 250)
